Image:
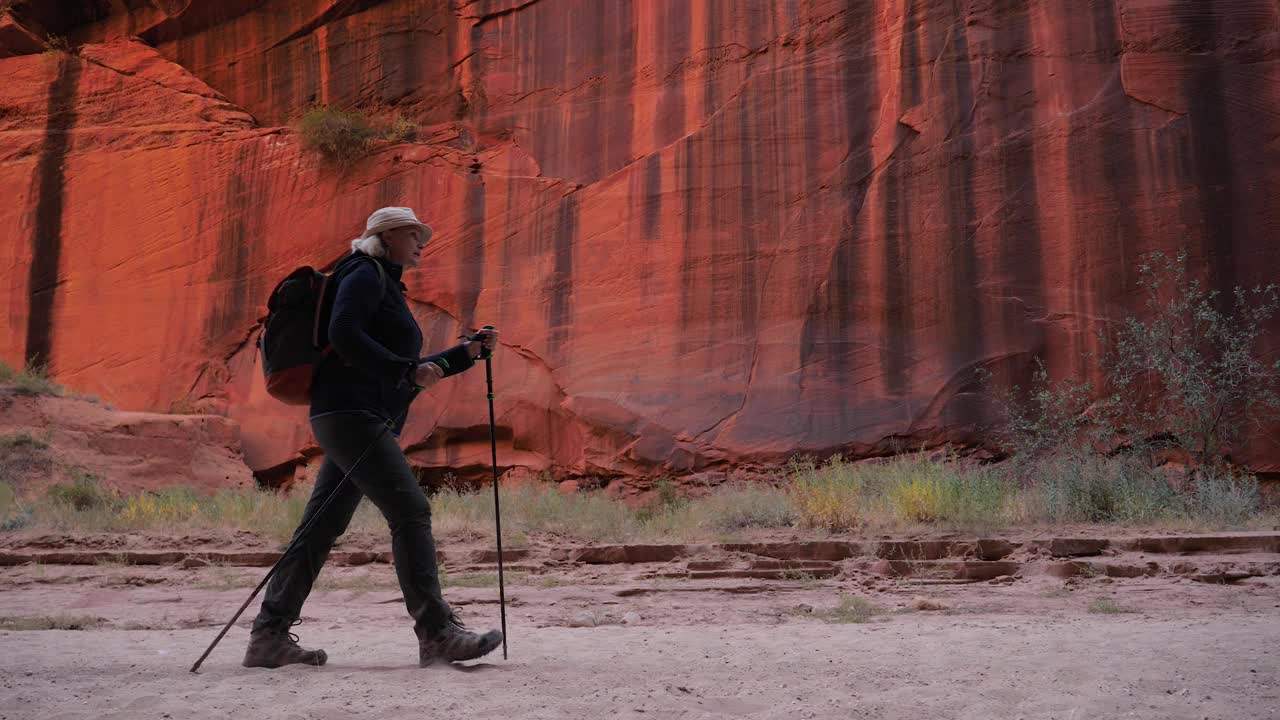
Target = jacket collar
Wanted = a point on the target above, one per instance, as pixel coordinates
(394, 270)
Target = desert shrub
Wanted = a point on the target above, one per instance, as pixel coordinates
(165, 508)
(398, 129)
(342, 138)
(827, 497)
(742, 506)
(345, 137)
(83, 492)
(1192, 370)
(31, 380)
(49, 622)
(1223, 497)
(921, 489)
(56, 44)
(919, 499)
(22, 439)
(535, 507)
(1045, 417)
(8, 506)
(1091, 487)
(852, 609)
(1107, 606)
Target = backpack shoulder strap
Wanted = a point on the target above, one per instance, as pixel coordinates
(382, 272)
(330, 287)
(382, 276)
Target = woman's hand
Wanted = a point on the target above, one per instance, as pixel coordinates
(485, 342)
(428, 374)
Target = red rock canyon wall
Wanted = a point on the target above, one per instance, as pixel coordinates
(713, 232)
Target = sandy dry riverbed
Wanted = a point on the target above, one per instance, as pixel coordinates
(595, 643)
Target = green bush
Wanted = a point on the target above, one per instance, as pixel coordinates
(1192, 370)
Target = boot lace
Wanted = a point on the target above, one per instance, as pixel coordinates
(293, 638)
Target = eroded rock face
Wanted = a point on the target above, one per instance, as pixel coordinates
(712, 233)
(129, 451)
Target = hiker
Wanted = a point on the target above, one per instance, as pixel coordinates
(367, 384)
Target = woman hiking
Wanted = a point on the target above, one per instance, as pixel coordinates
(359, 390)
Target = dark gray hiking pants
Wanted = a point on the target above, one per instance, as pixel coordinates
(385, 478)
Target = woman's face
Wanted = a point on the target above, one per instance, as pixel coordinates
(404, 245)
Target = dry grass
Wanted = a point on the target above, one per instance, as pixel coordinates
(908, 494)
(852, 609)
(24, 439)
(928, 605)
(56, 44)
(49, 622)
(482, 579)
(1106, 606)
(217, 577)
(31, 380)
(901, 493)
(343, 138)
(358, 582)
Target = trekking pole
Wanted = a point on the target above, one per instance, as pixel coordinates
(497, 511)
(296, 537)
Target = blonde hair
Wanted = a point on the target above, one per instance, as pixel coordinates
(371, 245)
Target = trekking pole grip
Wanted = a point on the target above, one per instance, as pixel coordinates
(486, 353)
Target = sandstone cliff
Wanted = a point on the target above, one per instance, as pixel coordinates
(713, 232)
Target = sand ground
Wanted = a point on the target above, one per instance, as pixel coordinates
(596, 644)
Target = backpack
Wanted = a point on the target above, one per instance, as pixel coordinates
(292, 342)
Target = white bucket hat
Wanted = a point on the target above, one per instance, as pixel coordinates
(388, 218)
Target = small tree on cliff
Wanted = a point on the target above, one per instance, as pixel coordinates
(1192, 371)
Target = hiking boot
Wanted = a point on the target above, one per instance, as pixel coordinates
(454, 642)
(272, 647)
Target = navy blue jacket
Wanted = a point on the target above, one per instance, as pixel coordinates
(376, 343)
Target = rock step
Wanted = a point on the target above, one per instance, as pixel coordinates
(971, 570)
(776, 574)
(982, 550)
(506, 568)
(1203, 544)
(201, 558)
(796, 565)
(142, 557)
(1208, 570)
(1267, 542)
(989, 550)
